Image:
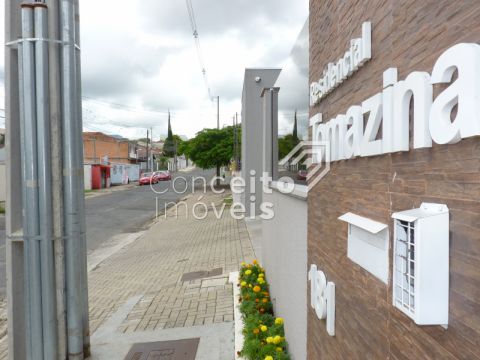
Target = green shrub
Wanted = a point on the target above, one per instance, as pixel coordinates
(264, 335)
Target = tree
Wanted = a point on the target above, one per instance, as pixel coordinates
(211, 148)
(169, 144)
(183, 147)
(294, 133)
(288, 142)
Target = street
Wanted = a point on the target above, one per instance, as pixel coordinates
(111, 216)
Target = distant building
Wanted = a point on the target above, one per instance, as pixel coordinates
(99, 148)
(111, 160)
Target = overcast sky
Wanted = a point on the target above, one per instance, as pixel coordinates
(141, 55)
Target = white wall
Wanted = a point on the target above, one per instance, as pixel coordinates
(87, 176)
(284, 256)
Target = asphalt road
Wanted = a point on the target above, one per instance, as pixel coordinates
(122, 212)
(132, 210)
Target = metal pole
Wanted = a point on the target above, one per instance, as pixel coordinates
(57, 171)
(72, 209)
(237, 158)
(30, 181)
(218, 128)
(81, 185)
(15, 260)
(151, 147)
(45, 180)
(148, 162)
(31, 226)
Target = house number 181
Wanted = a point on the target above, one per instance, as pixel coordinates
(322, 297)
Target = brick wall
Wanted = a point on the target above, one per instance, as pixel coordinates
(409, 35)
(97, 145)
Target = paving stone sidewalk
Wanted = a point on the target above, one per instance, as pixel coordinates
(152, 268)
(150, 271)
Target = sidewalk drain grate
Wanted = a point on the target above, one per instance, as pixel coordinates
(185, 349)
(195, 275)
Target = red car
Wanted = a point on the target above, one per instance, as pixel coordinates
(147, 179)
(162, 175)
(302, 175)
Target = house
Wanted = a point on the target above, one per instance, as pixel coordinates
(98, 146)
(110, 160)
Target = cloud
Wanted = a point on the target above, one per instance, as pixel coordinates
(141, 54)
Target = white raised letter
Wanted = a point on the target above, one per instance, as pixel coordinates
(389, 79)
(416, 85)
(353, 138)
(464, 92)
(366, 41)
(373, 105)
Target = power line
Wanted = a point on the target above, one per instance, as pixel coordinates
(193, 24)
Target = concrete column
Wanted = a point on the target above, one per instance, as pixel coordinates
(252, 136)
(270, 131)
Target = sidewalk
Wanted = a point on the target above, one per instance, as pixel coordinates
(138, 294)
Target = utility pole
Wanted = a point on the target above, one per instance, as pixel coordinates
(148, 162)
(151, 147)
(45, 223)
(218, 112)
(234, 144)
(175, 156)
(237, 147)
(218, 128)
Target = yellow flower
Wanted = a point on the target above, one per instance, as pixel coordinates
(279, 321)
(243, 264)
(268, 357)
(256, 289)
(261, 275)
(248, 272)
(269, 340)
(277, 339)
(265, 301)
(255, 262)
(260, 281)
(263, 328)
(279, 349)
(243, 283)
(250, 285)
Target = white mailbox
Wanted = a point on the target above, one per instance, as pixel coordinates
(421, 263)
(368, 244)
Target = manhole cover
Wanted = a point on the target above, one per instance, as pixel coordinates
(201, 274)
(185, 349)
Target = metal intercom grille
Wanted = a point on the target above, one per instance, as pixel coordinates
(405, 266)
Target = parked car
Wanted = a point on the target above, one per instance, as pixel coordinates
(163, 175)
(302, 175)
(147, 179)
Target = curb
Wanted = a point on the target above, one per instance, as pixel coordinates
(237, 316)
(101, 192)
